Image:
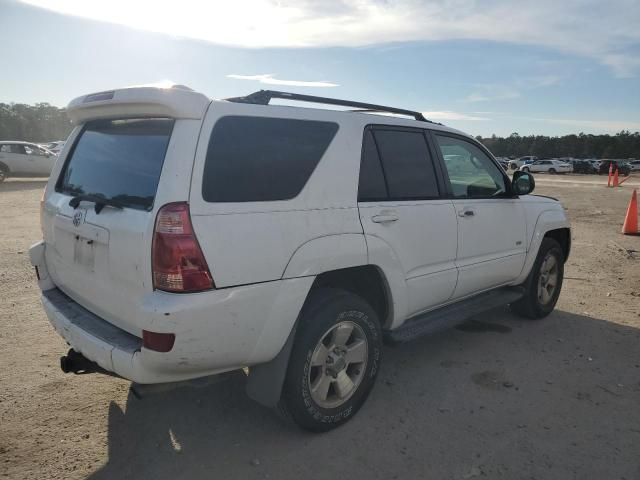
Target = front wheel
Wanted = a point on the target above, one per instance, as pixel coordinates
(334, 362)
(543, 285)
(552, 171)
(526, 169)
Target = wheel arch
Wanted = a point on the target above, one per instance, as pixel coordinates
(563, 237)
(551, 224)
(266, 380)
(366, 281)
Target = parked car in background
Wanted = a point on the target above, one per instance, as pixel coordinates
(24, 158)
(56, 147)
(622, 167)
(519, 162)
(595, 162)
(548, 166)
(634, 165)
(583, 166)
(504, 163)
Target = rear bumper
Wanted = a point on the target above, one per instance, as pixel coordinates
(216, 331)
(96, 339)
(110, 347)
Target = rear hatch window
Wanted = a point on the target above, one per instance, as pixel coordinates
(118, 160)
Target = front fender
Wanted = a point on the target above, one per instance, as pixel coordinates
(547, 220)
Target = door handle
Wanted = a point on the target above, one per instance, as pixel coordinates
(466, 213)
(384, 218)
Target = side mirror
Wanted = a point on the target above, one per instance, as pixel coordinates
(523, 183)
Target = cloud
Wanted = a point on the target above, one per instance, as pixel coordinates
(448, 115)
(497, 92)
(606, 31)
(269, 79)
(599, 125)
(490, 93)
(624, 66)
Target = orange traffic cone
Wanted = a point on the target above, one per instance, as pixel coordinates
(615, 178)
(610, 174)
(630, 226)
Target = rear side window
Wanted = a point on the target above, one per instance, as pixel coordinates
(372, 184)
(253, 159)
(119, 160)
(407, 164)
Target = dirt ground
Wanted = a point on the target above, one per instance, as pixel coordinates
(497, 398)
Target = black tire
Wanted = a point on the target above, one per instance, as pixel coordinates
(530, 305)
(526, 169)
(326, 309)
(552, 171)
(4, 173)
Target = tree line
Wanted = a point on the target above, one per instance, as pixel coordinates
(622, 145)
(43, 122)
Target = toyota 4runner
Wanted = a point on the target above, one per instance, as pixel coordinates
(185, 237)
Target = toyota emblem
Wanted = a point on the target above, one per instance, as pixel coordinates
(77, 218)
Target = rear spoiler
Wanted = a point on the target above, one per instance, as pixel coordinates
(147, 101)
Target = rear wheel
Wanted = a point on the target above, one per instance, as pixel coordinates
(542, 287)
(4, 173)
(334, 362)
(552, 171)
(525, 169)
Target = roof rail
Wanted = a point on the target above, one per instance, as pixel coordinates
(263, 97)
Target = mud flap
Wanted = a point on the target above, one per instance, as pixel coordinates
(265, 381)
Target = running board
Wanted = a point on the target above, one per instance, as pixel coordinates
(451, 315)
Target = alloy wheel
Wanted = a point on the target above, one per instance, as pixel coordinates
(338, 364)
(548, 279)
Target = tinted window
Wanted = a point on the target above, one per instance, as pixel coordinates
(118, 159)
(33, 150)
(471, 171)
(18, 148)
(372, 185)
(407, 164)
(254, 159)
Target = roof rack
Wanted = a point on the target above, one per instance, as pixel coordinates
(263, 97)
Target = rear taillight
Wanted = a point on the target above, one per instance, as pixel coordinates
(178, 264)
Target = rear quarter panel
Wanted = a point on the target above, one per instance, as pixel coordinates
(248, 242)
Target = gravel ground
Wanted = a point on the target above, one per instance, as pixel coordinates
(497, 398)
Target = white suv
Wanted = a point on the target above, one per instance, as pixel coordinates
(185, 237)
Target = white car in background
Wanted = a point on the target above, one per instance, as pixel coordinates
(548, 166)
(520, 162)
(25, 159)
(634, 165)
(55, 147)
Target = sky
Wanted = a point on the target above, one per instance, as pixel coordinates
(486, 67)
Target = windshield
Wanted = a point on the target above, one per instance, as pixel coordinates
(118, 160)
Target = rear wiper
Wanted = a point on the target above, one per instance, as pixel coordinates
(99, 201)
